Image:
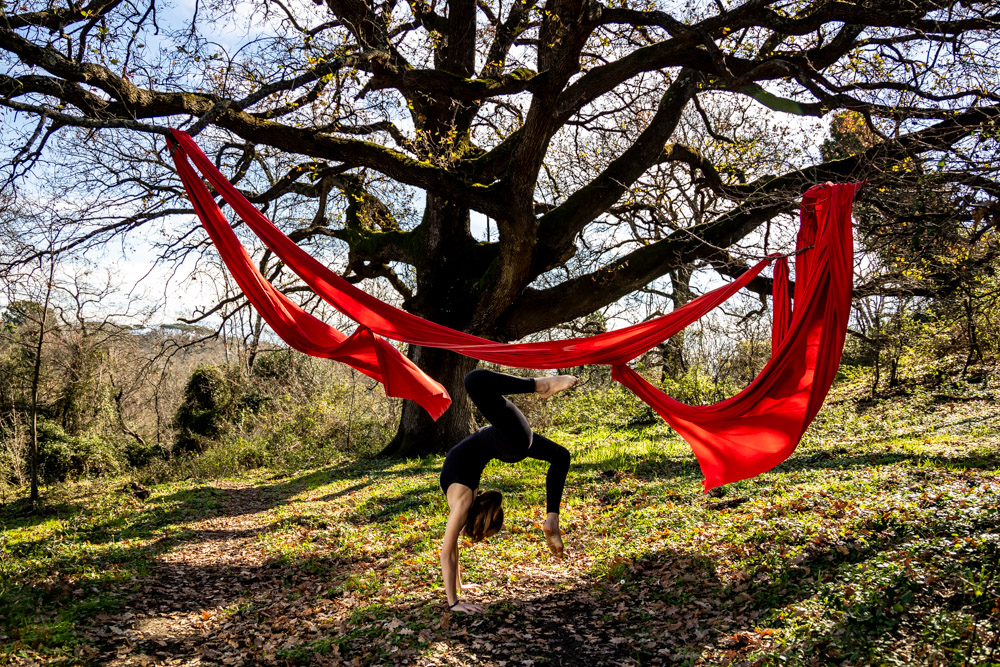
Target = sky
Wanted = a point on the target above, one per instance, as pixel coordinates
(178, 290)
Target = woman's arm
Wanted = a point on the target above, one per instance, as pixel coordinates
(459, 499)
(449, 552)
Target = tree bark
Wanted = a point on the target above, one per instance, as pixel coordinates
(419, 435)
(447, 278)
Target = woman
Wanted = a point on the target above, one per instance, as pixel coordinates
(509, 438)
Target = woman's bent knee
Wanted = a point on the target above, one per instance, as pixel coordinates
(473, 378)
(562, 456)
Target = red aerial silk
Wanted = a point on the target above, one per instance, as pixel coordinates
(782, 304)
(734, 439)
(759, 428)
(363, 350)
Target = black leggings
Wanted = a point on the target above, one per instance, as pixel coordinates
(511, 436)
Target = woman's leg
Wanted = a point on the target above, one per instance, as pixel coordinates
(487, 390)
(558, 458)
(555, 479)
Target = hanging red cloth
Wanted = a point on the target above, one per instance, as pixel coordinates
(759, 428)
(363, 350)
(782, 308)
(614, 347)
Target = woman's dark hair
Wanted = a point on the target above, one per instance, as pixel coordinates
(485, 516)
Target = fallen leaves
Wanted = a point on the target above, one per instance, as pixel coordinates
(324, 568)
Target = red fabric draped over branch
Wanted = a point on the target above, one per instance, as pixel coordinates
(733, 439)
(759, 428)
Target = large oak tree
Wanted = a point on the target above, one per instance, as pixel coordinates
(396, 123)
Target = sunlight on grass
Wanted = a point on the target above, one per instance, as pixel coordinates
(876, 542)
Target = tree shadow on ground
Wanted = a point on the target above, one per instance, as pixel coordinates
(156, 593)
(158, 516)
(345, 491)
(325, 607)
(308, 612)
(206, 502)
(670, 605)
(606, 619)
(210, 612)
(385, 508)
(382, 467)
(661, 466)
(18, 514)
(839, 458)
(657, 466)
(939, 427)
(664, 467)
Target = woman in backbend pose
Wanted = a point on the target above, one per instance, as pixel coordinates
(508, 438)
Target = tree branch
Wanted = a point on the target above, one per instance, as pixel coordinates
(558, 227)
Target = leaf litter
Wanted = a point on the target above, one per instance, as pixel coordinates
(883, 551)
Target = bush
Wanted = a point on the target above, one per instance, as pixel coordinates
(98, 456)
(61, 455)
(279, 368)
(138, 454)
(207, 403)
(57, 458)
(234, 456)
(292, 410)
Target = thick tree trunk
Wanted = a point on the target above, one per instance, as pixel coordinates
(418, 434)
(447, 281)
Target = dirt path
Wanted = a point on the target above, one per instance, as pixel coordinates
(177, 617)
(217, 596)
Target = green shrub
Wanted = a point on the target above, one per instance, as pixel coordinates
(61, 455)
(278, 368)
(233, 456)
(56, 456)
(138, 454)
(201, 418)
(292, 410)
(97, 455)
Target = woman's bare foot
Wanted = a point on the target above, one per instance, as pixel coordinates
(553, 536)
(547, 386)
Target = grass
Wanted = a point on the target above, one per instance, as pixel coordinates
(876, 543)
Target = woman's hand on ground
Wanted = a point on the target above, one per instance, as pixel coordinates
(468, 608)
